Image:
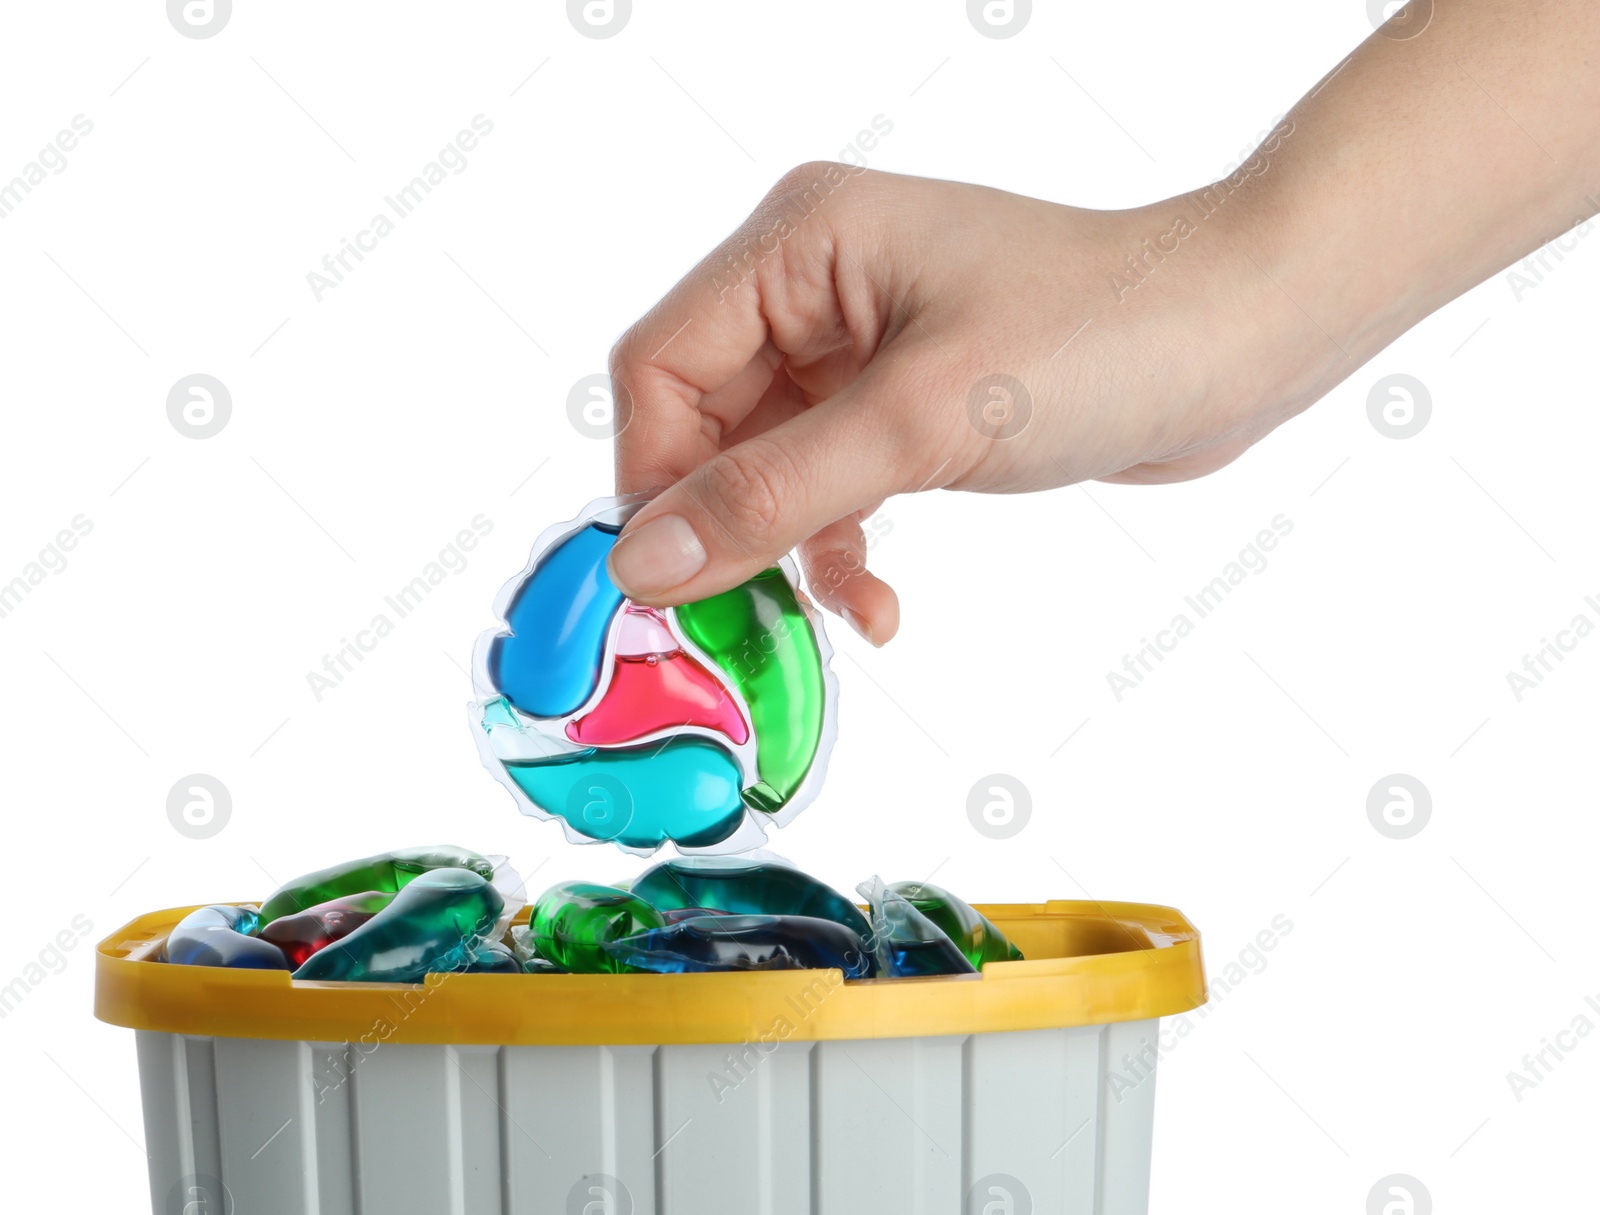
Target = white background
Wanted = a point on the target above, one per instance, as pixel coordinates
(430, 387)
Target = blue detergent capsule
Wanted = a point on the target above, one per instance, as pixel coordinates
(548, 663)
(439, 922)
(744, 887)
(746, 942)
(223, 936)
(677, 915)
(492, 959)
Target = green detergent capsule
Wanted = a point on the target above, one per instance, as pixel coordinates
(907, 944)
(759, 635)
(573, 922)
(974, 934)
(386, 872)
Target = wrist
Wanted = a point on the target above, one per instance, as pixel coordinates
(1264, 332)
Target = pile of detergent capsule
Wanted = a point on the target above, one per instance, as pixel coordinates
(398, 916)
(390, 918)
(742, 913)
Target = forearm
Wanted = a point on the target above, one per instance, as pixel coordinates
(1417, 170)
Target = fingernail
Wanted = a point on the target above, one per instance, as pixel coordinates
(662, 554)
(856, 622)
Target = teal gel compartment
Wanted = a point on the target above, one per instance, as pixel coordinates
(686, 789)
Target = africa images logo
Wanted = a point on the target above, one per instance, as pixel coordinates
(696, 724)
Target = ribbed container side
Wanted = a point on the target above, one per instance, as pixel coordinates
(1042, 1121)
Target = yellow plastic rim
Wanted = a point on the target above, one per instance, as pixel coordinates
(1088, 963)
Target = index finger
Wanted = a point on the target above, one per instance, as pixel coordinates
(697, 363)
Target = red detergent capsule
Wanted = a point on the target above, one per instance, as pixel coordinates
(302, 934)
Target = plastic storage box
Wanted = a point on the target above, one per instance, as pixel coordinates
(1026, 1089)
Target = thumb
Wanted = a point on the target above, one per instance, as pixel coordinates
(745, 508)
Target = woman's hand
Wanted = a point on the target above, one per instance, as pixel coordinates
(864, 335)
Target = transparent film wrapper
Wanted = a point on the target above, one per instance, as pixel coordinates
(512, 889)
(698, 726)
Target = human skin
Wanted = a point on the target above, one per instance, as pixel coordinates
(822, 359)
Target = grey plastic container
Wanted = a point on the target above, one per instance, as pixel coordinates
(779, 1093)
